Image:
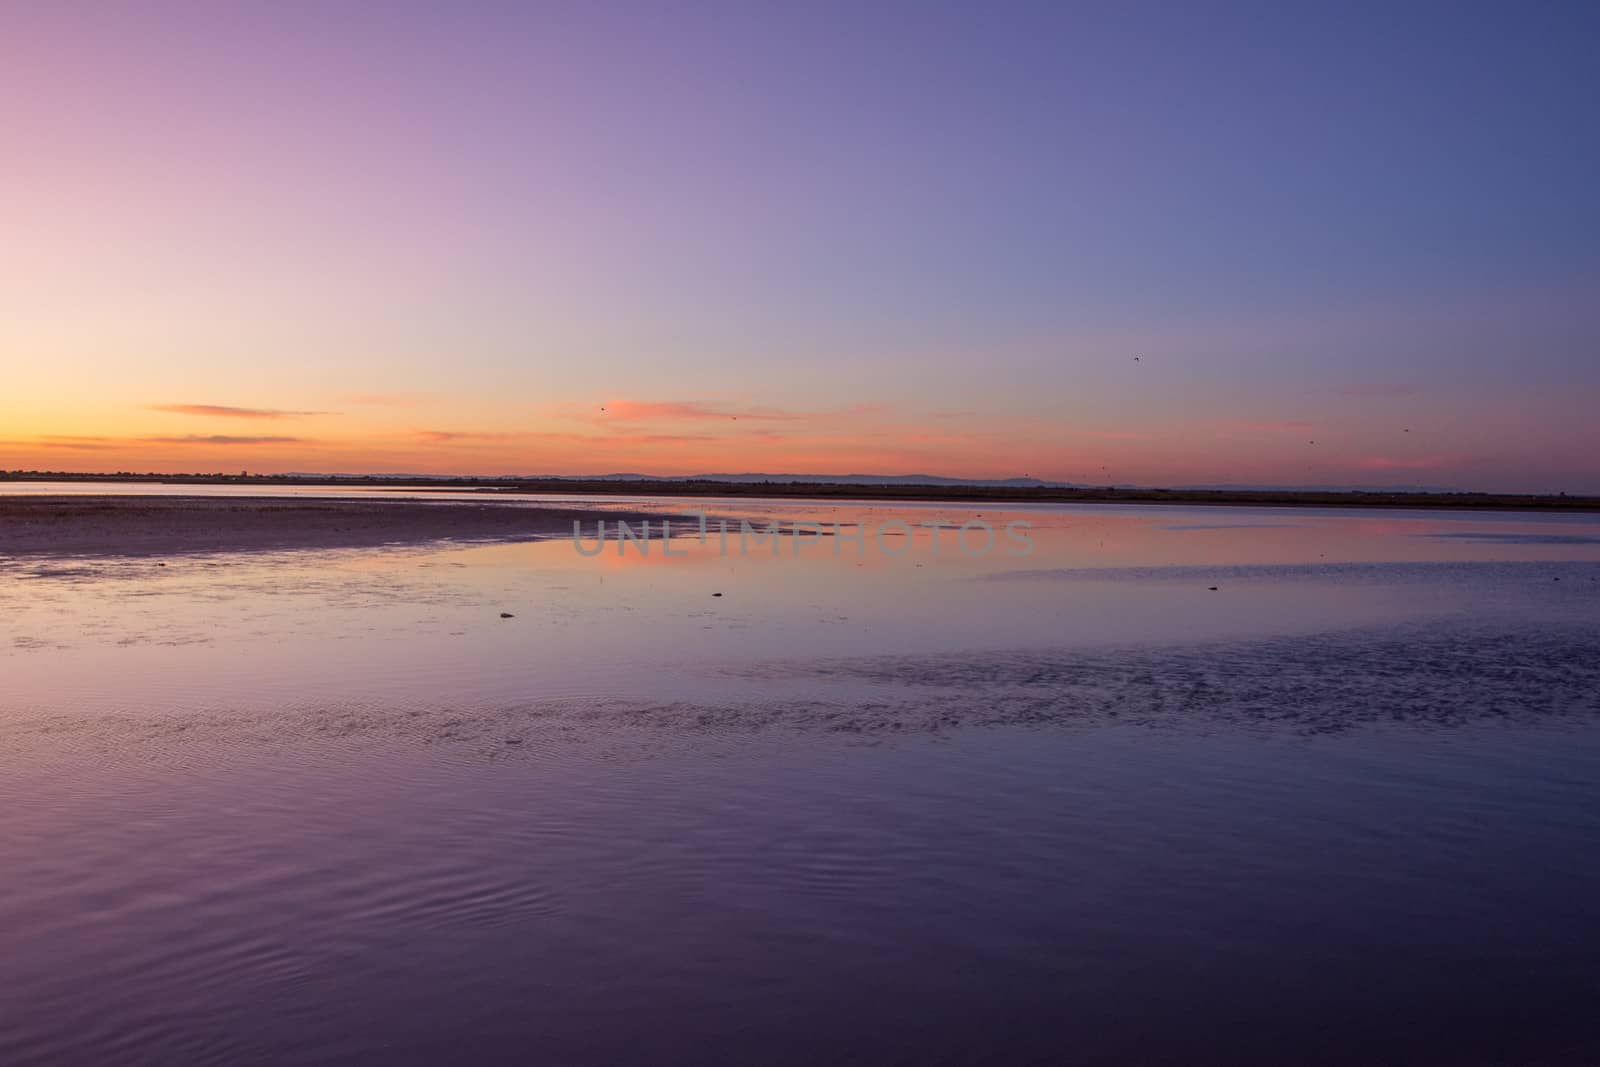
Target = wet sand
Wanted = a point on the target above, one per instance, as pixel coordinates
(154, 526)
(1256, 774)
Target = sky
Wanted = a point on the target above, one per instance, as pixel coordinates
(1161, 244)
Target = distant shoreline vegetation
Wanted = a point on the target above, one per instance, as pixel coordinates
(946, 491)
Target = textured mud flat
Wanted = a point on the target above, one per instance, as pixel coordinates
(1424, 676)
(154, 526)
(1415, 679)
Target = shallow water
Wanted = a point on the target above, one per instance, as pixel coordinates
(1077, 806)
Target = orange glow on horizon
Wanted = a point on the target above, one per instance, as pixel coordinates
(679, 438)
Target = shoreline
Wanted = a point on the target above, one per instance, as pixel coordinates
(142, 526)
(989, 494)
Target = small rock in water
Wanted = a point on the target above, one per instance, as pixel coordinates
(716, 594)
(507, 615)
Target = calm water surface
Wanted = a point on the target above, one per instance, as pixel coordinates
(1074, 807)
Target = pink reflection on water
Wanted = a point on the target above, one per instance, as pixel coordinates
(262, 631)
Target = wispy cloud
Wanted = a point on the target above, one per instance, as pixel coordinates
(676, 410)
(386, 400)
(109, 444)
(226, 411)
(219, 439)
(87, 444)
(704, 410)
(441, 436)
(674, 438)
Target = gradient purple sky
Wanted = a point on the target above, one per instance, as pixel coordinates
(884, 237)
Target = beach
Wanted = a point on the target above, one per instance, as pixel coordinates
(153, 526)
(384, 780)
